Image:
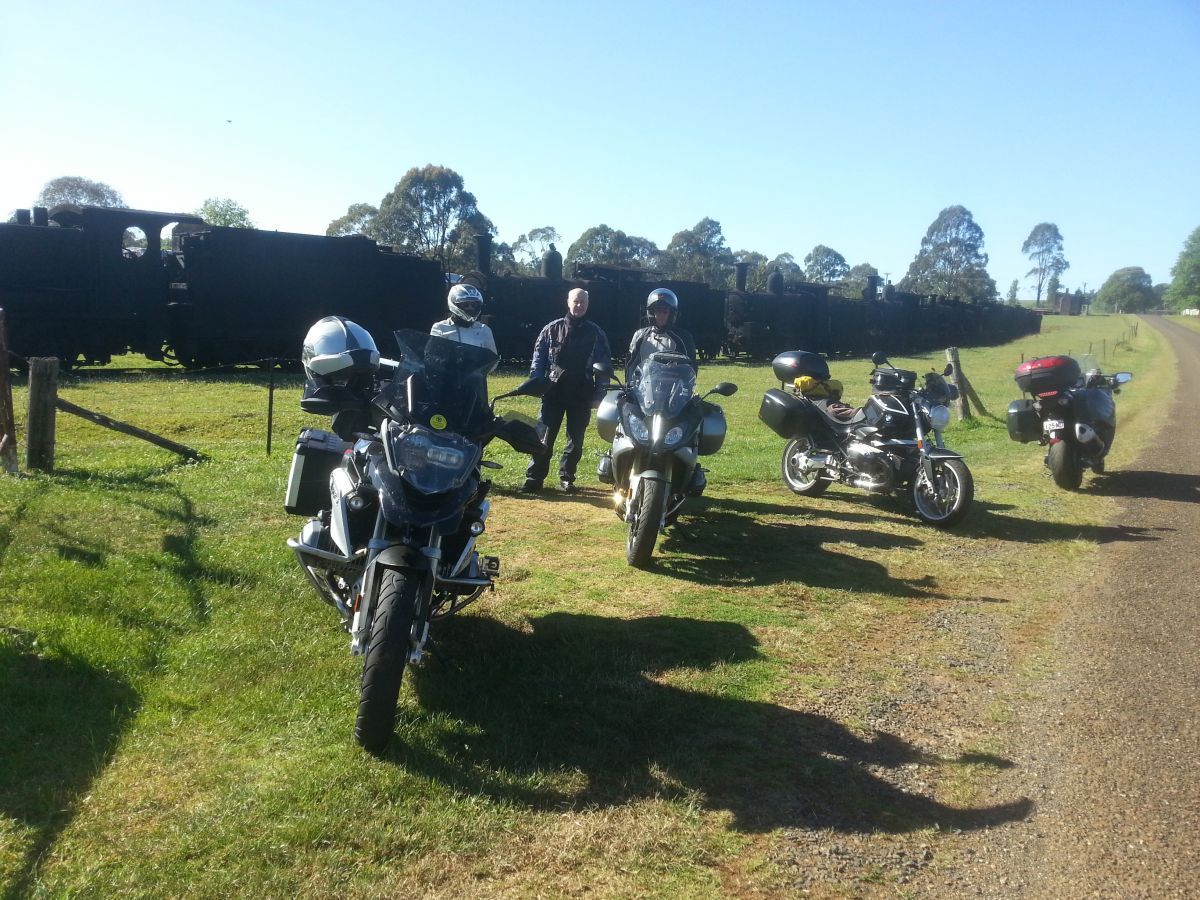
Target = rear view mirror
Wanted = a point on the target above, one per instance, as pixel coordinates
(878, 358)
(724, 388)
(603, 370)
(1122, 378)
(948, 371)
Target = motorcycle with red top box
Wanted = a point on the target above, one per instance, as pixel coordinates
(1072, 413)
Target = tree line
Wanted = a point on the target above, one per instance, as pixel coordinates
(430, 213)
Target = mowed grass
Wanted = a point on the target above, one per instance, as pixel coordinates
(176, 704)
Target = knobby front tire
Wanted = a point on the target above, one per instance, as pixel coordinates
(387, 654)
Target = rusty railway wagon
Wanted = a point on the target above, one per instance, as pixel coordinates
(73, 285)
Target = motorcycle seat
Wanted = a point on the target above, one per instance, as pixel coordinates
(840, 415)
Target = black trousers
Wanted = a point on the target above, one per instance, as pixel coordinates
(577, 414)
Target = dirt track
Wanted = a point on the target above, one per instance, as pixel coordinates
(1110, 753)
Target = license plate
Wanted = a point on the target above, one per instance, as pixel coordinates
(1053, 425)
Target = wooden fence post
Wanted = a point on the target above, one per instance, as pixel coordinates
(43, 391)
(8, 426)
(964, 408)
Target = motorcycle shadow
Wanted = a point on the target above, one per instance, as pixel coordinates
(769, 552)
(1148, 484)
(571, 713)
(986, 523)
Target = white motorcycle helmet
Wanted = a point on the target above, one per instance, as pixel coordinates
(465, 303)
(337, 351)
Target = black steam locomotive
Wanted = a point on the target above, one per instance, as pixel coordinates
(72, 286)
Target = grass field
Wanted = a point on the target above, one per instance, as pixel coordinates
(176, 705)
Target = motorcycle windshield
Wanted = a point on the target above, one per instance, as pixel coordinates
(666, 385)
(440, 384)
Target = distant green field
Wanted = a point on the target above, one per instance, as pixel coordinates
(176, 704)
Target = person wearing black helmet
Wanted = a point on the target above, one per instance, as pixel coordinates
(465, 303)
(661, 334)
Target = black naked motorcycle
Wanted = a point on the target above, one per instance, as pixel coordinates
(892, 442)
(1072, 413)
(392, 545)
(658, 428)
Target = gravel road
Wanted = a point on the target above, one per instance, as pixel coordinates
(1110, 752)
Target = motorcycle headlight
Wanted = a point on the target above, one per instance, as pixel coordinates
(431, 462)
(637, 427)
(939, 416)
(674, 436)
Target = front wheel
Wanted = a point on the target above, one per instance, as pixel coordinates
(648, 509)
(1064, 466)
(387, 654)
(943, 501)
(802, 481)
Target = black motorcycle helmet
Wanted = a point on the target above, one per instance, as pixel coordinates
(662, 297)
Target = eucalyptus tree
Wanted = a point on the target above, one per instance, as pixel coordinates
(1044, 247)
(951, 261)
(1184, 289)
(857, 280)
(529, 248)
(824, 265)
(80, 191)
(426, 212)
(226, 212)
(756, 271)
(1127, 290)
(359, 219)
(601, 244)
(700, 254)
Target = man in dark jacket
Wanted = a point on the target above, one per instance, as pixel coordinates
(565, 351)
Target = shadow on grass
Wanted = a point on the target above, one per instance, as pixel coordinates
(984, 522)
(1147, 484)
(577, 701)
(166, 502)
(735, 543)
(60, 720)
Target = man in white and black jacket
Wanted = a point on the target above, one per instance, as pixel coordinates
(565, 352)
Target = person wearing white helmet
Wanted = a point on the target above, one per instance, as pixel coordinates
(661, 334)
(465, 303)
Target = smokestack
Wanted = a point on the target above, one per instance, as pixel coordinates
(741, 269)
(41, 216)
(23, 217)
(483, 253)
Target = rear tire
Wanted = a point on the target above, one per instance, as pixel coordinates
(1063, 463)
(806, 484)
(649, 503)
(945, 502)
(387, 654)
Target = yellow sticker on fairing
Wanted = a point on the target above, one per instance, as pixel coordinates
(437, 421)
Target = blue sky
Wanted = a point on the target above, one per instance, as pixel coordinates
(793, 124)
